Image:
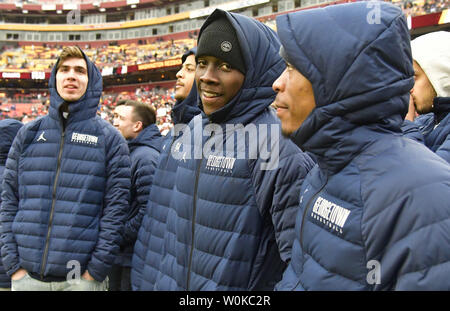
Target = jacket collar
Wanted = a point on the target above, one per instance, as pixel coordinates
(150, 137)
(441, 108)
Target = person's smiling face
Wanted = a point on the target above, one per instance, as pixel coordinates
(217, 82)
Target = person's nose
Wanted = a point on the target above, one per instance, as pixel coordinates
(179, 74)
(278, 84)
(208, 74)
(71, 75)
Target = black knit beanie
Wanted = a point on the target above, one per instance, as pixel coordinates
(219, 39)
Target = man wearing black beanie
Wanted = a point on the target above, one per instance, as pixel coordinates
(218, 48)
(231, 215)
(219, 40)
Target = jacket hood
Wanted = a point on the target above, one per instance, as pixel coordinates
(360, 69)
(187, 53)
(432, 53)
(150, 137)
(259, 46)
(8, 131)
(183, 111)
(86, 106)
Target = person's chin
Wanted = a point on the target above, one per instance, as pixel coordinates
(70, 99)
(286, 133)
(424, 110)
(179, 97)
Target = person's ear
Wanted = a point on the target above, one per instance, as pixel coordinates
(138, 126)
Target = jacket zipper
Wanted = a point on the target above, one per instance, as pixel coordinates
(194, 214)
(58, 170)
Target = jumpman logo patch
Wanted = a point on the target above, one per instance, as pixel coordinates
(41, 137)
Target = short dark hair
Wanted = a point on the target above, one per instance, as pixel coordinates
(122, 102)
(141, 112)
(69, 52)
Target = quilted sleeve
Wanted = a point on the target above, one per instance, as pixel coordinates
(143, 178)
(411, 130)
(115, 206)
(444, 150)
(406, 225)
(279, 191)
(9, 206)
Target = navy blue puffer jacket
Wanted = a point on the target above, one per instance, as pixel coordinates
(149, 244)
(8, 130)
(230, 220)
(375, 212)
(144, 155)
(65, 190)
(433, 129)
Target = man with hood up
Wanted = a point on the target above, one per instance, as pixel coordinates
(65, 188)
(431, 93)
(184, 110)
(148, 246)
(230, 220)
(374, 214)
(8, 130)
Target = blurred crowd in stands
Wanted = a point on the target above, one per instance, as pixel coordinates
(411, 7)
(27, 107)
(55, 1)
(43, 58)
(421, 7)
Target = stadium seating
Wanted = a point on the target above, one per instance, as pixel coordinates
(42, 58)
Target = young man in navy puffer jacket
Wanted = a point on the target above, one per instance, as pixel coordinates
(65, 188)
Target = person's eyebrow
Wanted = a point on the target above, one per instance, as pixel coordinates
(76, 67)
(81, 67)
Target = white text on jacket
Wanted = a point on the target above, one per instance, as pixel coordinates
(330, 214)
(84, 138)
